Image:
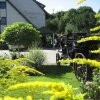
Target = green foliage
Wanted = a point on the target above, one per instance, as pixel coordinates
(70, 28)
(14, 71)
(52, 24)
(1, 40)
(63, 22)
(57, 91)
(14, 54)
(49, 41)
(97, 15)
(78, 17)
(61, 25)
(25, 70)
(17, 74)
(12, 98)
(90, 38)
(37, 56)
(92, 63)
(92, 89)
(96, 76)
(20, 33)
(26, 62)
(5, 65)
(96, 51)
(57, 22)
(12, 63)
(95, 29)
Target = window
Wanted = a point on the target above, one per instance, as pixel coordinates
(3, 21)
(2, 5)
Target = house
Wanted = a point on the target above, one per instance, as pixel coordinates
(28, 11)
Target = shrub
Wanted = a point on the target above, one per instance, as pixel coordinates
(57, 91)
(92, 63)
(17, 74)
(23, 70)
(26, 62)
(14, 71)
(5, 65)
(92, 88)
(12, 98)
(20, 33)
(37, 56)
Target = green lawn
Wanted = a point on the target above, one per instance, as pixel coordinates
(57, 74)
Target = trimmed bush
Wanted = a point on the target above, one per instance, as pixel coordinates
(25, 70)
(57, 91)
(20, 33)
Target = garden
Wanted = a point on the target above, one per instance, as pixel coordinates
(25, 77)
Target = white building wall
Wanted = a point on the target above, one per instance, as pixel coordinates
(31, 10)
(13, 15)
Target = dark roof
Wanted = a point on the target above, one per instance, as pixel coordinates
(42, 5)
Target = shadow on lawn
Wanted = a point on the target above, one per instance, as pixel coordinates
(54, 70)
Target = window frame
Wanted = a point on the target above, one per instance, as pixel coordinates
(3, 21)
(2, 5)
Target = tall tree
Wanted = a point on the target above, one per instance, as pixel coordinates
(56, 23)
(83, 18)
(96, 16)
(86, 17)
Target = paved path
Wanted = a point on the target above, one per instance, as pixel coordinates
(50, 56)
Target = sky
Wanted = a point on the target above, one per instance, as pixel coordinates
(53, 6)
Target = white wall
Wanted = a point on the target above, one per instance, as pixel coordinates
(13, 15)
(31, 10)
